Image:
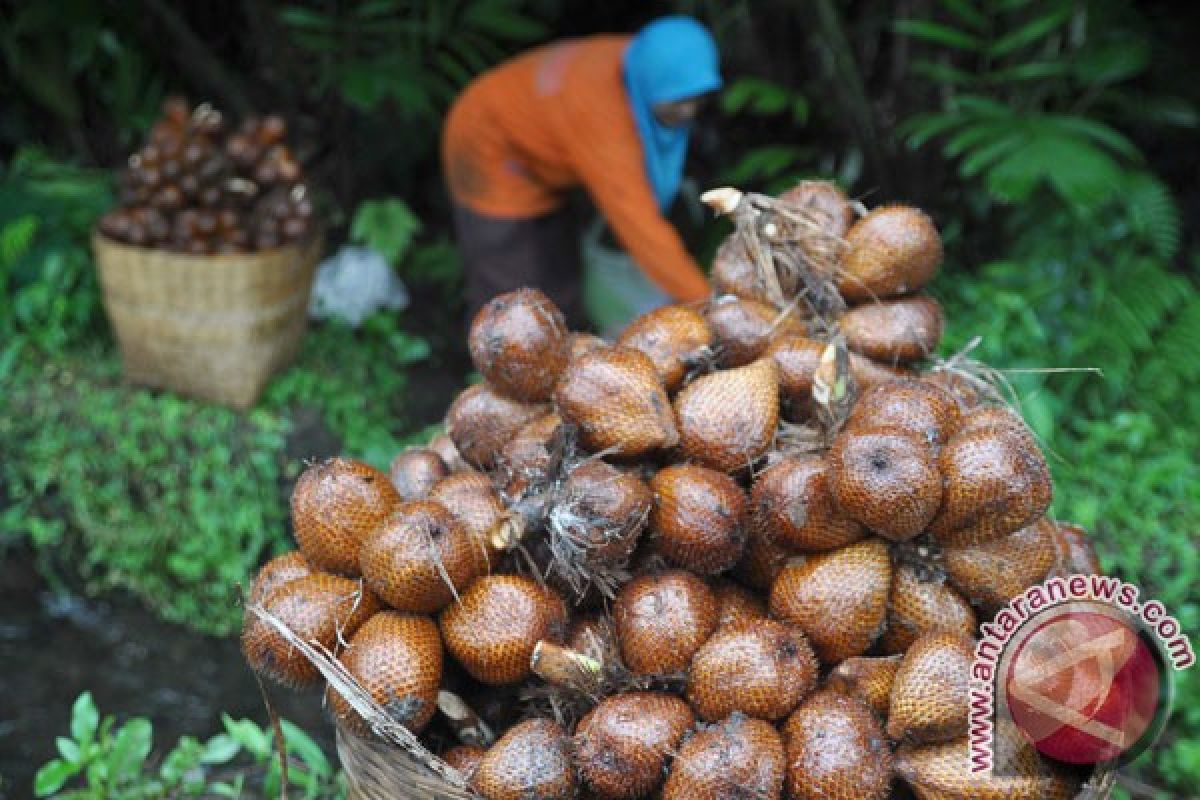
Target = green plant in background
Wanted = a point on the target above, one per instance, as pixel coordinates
(1086, 276)
(770, 168)
(171, 499)
(102, 760)
(390, 227)
(46, 275)
(415, 54)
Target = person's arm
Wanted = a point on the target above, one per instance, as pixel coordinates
(610, 167)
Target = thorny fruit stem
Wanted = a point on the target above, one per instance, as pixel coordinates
(468, 726)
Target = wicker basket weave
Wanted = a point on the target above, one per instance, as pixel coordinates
(210, 327)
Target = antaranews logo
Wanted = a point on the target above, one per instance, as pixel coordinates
(1081, 667)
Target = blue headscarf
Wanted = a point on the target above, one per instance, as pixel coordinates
(672, 58)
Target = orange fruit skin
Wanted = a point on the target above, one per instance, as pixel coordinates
(673, 337)
(892, 250)
(519, 343)
(662, 620)
(835, 749)
(838, 599)
(622, 745)
(336, 506)
(741, 756)
(531, 760)
(898, 330)
(397, 659)
(699, 518)
(498, 621)
(761, 668)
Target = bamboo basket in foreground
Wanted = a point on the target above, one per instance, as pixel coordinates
(210, 327)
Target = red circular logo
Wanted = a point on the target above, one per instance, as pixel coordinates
(1084, 686)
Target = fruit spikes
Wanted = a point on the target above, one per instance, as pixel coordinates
(794, 247)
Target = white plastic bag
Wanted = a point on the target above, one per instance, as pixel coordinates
(353, 284)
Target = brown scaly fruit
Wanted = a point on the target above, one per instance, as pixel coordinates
(994, 572)
(938, 772)
(886, 478)
(336, 506)
(838, 599)
(797, 358)
(465, 758)
(481, 421)
(967, 391)
(622, 745)
(761, 668)
(1076, 556)
(662, 620)
(698, 521)
(996, 482)
(493, 629)
(676, 338)
(930, 693)
(317, 607)
(740, 757)
(736, 603)
(903, 329)
(825, 203)
(580, 344)
(415, 471)
(735, 273)
(915, 405)
(518, 341)
(744, 329)
(444, 446)
(531, 459)
(890, 251)
(922, 604)
(276, 572)
(421, 558)
(869, 678)
(835, 749)
(397, 659)
(470, 496)
(616, 401)
(792, 501)
(762, 560)
(606, 508)
(727, 419)
(531, 760)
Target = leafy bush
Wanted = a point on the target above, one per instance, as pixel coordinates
(113, 762)
(1083, 276)
(171, 499)
(46, 277)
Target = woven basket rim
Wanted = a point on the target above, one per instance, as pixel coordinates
(314, 238)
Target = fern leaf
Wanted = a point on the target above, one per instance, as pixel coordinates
(1153, 214)
(1031, 33)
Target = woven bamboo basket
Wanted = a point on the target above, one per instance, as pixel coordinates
(211, 327)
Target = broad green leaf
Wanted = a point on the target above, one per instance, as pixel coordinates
(387, 226)
(131, 746)
(1111, 61)
(1032, 71)
(84, 719)
(68, 749)
(938, 34)
(1030, 33)
(305, 748)
(51, 777)
(256, 741)
(220, 749)
(940, 72)
(1096, 131)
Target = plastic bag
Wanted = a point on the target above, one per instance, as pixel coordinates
(353, 284)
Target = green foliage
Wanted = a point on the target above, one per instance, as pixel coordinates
(413, 53)
(356, 379)
(171, 499)
(62, 68)
(1085, 279)
(390, 227)
(46, 275)
(768, 168)
(113, 762)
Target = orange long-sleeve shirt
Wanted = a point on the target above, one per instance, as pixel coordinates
(554, 118)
